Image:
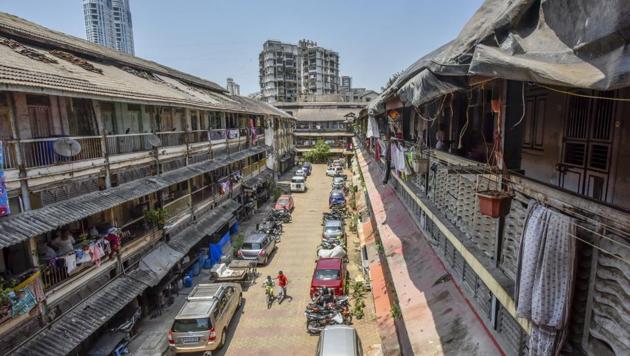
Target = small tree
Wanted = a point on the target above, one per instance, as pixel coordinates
(319, 152)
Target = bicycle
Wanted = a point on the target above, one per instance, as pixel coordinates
(269, 295)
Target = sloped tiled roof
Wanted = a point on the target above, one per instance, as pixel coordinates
(27, 64)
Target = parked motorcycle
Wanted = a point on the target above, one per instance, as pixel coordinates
(280, 215)
(316, 322)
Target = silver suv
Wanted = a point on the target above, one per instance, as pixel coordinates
(339, 340)
(202, 323)
(257, 247)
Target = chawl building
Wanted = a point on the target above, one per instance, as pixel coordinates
(111, 162)
(509, 147)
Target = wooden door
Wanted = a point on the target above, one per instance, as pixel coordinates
(588, 145)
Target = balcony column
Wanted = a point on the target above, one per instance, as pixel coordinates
(13, 120)
(187, 134)
(96, 106)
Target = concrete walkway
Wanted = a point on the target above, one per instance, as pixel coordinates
(436, 317)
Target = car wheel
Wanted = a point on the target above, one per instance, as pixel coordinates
(223, 337)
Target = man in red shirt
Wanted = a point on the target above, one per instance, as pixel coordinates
(282, 283)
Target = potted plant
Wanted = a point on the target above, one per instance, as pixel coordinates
(5, 300)
(156, 217)
(494, 203)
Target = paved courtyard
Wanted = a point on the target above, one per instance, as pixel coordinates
(281, 329)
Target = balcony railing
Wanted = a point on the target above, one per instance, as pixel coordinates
(313, 129)
(41, 152)
(175, 138)
(129, 143)
(445, 198)
(10, 159)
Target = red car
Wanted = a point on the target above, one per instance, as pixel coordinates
(329, 273)
(285, 202)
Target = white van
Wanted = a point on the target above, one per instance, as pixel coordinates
(298, 184)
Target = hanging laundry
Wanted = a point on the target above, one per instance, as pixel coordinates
(377, 150)
(71, 262)
(394, 156)
(545, 276)
(372, 127)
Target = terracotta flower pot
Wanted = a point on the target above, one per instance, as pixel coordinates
(494, 203)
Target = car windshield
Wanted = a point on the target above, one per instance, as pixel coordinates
(333, 228)
(297, 180)
(327, 274)
(251, 246)
(188, 325)
(283, 201)
(336, 196)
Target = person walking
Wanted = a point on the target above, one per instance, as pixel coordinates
(282, 283)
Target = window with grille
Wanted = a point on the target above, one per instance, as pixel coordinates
(533, 129)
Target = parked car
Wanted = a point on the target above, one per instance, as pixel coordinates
(339, 340)
(329, 273)
(301, 173)
(201, 324)
(338, 186)
(331, 171)
(339, 179)
(308, 167)
(336, 197)
(333, 229)
(258, 247)
(298, 184)
(285, 202)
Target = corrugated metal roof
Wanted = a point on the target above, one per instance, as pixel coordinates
(65, 334)
(260, 178)
(18, 228)
(208, 224)
(158, 262)
(92, 313)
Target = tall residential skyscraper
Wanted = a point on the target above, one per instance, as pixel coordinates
(346, 83)
(108, 23)
(232, 87)
(288, 71)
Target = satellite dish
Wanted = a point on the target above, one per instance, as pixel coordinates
(67, 147)
(154, 140)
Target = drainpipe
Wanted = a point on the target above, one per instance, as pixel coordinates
(26, 198)
(187, 134)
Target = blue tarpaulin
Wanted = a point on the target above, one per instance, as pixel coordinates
(216, 250)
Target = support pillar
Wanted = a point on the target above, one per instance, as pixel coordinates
(96, 107)
(19, 155)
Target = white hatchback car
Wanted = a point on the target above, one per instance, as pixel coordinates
(300, 173)
(331, 171)
(298, 184)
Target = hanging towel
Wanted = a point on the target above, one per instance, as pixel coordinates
(71, 262)
(372, 127)
(545, 274)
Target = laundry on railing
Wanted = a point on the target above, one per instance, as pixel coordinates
(545, 276)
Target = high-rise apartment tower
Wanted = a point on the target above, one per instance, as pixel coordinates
(108, 23)
(288, 71)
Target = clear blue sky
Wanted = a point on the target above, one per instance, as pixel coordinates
(216, 39)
